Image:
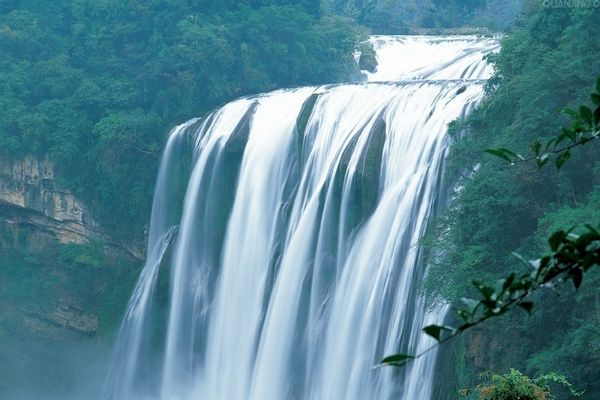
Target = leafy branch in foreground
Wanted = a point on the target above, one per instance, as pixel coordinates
(584, 128)
(573, 252)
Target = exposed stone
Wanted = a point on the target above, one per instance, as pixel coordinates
(367, 61)
(29, 186)
(31, 197)
(50, 298)
(50, 323)
(74, 319)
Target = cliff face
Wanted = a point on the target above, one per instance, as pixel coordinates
(64, 280)
(31, 197)
(57, 264)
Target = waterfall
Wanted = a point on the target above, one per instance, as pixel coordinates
(296, 265)
(127, 353)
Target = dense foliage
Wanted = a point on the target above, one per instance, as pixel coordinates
(548, 63)
(515, 385)
(413, 16)
(97, 84)
(44, 287)
(573, 251)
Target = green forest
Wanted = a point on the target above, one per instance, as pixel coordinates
(98, 84)
(548, 62)
(95, 86)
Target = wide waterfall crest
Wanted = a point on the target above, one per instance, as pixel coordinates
(296, 263)
(402, 58)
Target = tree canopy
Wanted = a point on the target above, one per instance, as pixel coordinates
(97, 84)
(547, 63)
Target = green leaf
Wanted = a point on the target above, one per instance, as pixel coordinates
(435, 331)
(573, 236)
(592, 229)
(596, 98)
(586, 114)
(562, 158)
(499, 153)
(470, 303)
(522, 284)
(490, 305)
(506, 154)
(570, 134)
(397, 360)
(464, 314)
(486, 291)
(543, 262)
(542, 160)
(577, 277)
(521, 259)
(508, 281)
(570, 112)
(556, 239)
(598, 85)
(526, 305)
(590, 248)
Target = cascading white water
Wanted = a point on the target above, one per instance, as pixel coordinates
(127, 357)
(432, 57)
(296, 264)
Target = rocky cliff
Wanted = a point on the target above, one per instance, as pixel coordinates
(31, 197)
(64, 282)
(58, 267)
